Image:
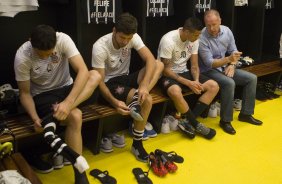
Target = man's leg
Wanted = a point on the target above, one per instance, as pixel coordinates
(211, 88)
(159, 66)
(175, 93)
(92, 83)
(138, 129)
(249, 82)
(227, 89)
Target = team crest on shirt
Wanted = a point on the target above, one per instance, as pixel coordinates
(54, 57)
(189, 48)
(124, 52)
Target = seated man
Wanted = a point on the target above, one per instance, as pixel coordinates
(217, 41)
(175, 49)
(48, 93)
(128, 93)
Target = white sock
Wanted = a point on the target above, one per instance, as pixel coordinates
(81, 164)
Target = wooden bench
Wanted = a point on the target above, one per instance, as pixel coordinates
(22, 126)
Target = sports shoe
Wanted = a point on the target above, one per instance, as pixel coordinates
(173, 122)
(57, 161)
(135, 108)
(237, 104)
(106, 145)
(169, 165)
(207, 132)
(165, 129)
(66, 161)
(39, 164)
(139, 152)
(117, 140)
(187, 128)
(157, 165)
(212, 111)
(149, 130)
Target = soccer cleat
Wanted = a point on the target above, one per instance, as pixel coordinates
(156, 165)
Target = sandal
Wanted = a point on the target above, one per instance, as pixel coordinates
(141, 176)
(171, 156)
(103, 177)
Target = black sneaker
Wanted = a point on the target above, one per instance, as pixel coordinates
(206, 132)
(139, 152)
(40, 165)
(187, 128)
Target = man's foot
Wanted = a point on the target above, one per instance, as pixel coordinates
(207, 132)
(249, 119)
(187, 128)
(139, 152)
(227, 127)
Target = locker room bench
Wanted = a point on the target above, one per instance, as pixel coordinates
(22, 127)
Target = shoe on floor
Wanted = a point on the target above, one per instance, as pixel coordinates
(106, 145)
(249, 119)
(165, 129)
(227, 127)
(150, 131)
(212, 111)
(117, 140)
(237, 104)
(139, 152)
(205, 131)
(39, 164)
(187, 128)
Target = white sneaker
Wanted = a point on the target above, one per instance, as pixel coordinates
(173, 122)
(237, 104)
(213, 111)
(165, 125)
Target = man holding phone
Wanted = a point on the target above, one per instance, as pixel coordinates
(218, 57)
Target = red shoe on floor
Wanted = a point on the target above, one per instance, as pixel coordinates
(169, 165)
(156, 165)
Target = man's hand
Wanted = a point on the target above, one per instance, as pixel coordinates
(122, 108)
(61, 110)
(195, 86)
(234, 57)
(142, 94)
(229, 71)
(37, 125)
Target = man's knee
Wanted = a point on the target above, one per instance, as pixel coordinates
(75, 118)
(174, 92)
(212, 86)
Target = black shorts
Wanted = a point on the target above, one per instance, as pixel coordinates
(166, 82)
(44, 101)
(121, 85)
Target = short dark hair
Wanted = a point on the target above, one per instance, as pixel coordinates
(126, 23)
(43, 37)
(192, 24)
